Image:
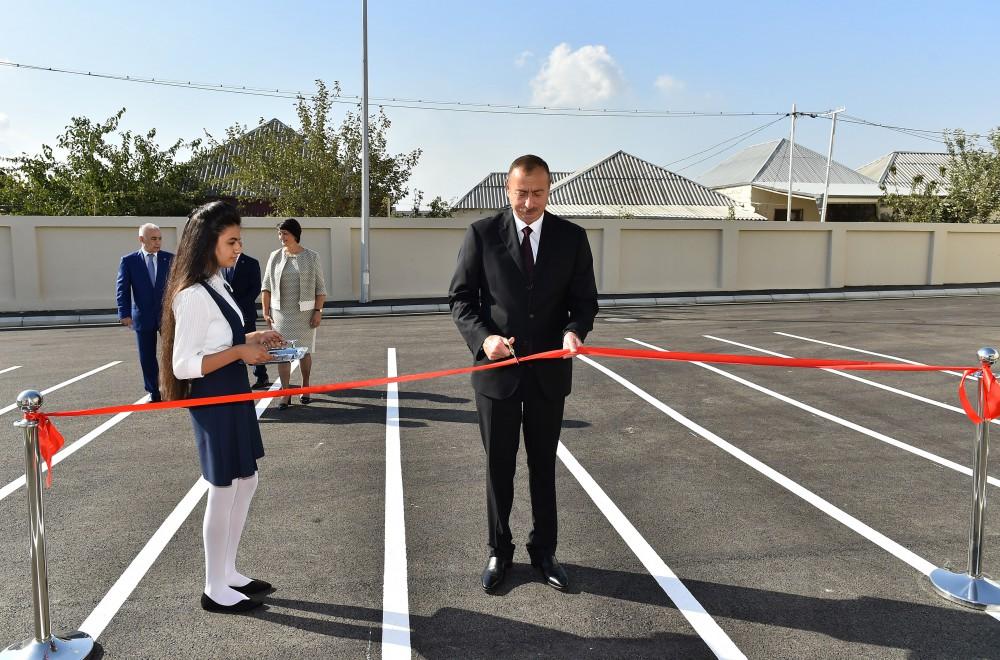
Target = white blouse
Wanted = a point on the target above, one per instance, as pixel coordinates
(200, 327)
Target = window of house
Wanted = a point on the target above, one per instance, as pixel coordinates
(779, 214)
(851, 213)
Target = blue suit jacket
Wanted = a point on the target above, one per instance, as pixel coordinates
(246, 288)
(138, 298)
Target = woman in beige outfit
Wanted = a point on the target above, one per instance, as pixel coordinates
(292, 296)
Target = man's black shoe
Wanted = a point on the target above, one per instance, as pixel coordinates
(554, 573)
(261, 384)
(494, 573)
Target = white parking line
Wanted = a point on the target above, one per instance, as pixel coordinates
(844, 374)
(3, 371)
(841, 516)
(686, 603)
(106, 610)
(861, 350)
(65, 383)
(71, 449)
(395, 593)
(881, 437)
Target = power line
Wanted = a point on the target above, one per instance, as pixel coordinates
(395, 102)
(751, 132)
(746, 136)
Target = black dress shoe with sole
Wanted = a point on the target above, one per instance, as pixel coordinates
(261, 384)
(553, 572)
(494, 573)
(210, 605)
(253, 587)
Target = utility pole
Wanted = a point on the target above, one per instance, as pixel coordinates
(829, 159)
(791, 154)
(365, 273)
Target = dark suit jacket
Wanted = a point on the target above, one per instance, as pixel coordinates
(138, 298)
(246, 288)
(490, 294)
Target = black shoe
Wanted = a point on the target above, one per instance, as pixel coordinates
(261, 384)
(494, 573)
(253, 587)
(154, 398)
(210, 605)
(554, 573)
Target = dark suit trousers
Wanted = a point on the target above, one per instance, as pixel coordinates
(147, 360)
(500, 423)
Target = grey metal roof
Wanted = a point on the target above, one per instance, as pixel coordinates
(491, 192)
(897, 169)
(622, 179)
(767, 163)
(217, 162)
(654, 211)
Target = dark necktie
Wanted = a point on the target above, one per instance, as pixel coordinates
(151, 267)
(228, 273)
(526, 255)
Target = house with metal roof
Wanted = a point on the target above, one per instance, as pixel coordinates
(489, 195)
(216, 165)
(618, 186)
(897, 170)
(758, 177)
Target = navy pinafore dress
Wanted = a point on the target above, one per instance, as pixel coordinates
(227, 434)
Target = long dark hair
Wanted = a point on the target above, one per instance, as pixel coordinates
(194, 262)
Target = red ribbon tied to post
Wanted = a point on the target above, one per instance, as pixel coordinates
(50, 440)
(991, 396)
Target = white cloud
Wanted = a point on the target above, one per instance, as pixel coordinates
(523, 58)
(584, 76)
(4, 122)
(666, 84)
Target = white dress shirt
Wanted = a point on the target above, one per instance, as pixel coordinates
(533, 237)
(200, 329)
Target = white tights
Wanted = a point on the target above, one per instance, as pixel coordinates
(225, 516)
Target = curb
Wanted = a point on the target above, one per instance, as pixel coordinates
(42, 321)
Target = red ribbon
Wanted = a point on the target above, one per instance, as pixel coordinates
(50, 440)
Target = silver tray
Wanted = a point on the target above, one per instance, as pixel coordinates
(286, 354)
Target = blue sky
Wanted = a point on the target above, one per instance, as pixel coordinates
(916, 64)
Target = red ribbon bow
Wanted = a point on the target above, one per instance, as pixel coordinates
(50, 440)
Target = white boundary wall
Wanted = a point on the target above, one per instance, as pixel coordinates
(70, 263)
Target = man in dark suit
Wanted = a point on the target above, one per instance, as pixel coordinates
(524, 284)
(244, 278)
(142, 279)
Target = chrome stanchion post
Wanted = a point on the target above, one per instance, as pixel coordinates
(44, 645)
(972, 589)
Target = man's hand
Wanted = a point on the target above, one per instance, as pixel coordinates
(496, 349)
(571, 343)
(127, 321)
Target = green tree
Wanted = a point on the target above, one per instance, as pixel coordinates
(316, 170)
(971, 186)
(439, 208)
(135, 177)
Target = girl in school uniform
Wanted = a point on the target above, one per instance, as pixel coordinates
(204, 353)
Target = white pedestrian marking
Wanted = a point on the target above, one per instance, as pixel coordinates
(841, 516)
(66, 382)
(106, 610)
(686, 603)
(395, 593)
(72, 448)
(881, 437)
(3, 371)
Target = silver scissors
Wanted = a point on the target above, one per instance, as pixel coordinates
(511, 349)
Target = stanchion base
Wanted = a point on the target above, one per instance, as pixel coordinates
(76, 645)
(962, 588)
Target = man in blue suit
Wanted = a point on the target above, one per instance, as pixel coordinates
(244, 279)
(142, 279)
